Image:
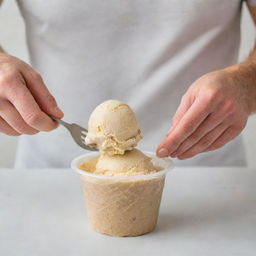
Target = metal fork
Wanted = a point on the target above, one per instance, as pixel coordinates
(77, 132)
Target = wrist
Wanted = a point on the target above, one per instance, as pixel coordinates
(244, 77)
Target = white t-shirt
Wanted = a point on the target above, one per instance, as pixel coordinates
(143, 52)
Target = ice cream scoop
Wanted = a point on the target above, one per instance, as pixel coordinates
(113, 128)
(132, 163)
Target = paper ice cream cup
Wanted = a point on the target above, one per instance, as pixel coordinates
(123, 205)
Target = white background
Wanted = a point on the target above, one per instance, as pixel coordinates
(12, 38)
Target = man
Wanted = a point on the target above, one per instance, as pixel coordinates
(145, 53)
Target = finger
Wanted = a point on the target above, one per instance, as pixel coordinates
(185, 104)
(21, 98)
(212, 121)
(205, 142)
(227, 136)
(14, 119)
(186, 126)
(7, 129)
(40, 92)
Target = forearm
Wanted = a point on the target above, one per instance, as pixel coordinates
(244, 74)
(213, 111)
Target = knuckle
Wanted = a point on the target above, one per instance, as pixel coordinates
(194, 137)
(205, 142)
(36, 76)
(187, 128)
(229, 106)
(6, 79)
(8, 84)
(33, 118)
(22, 128)
(25, 129)
(211, 95)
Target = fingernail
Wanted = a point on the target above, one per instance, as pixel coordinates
(163, 152)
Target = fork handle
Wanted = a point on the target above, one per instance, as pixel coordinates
(67, 125)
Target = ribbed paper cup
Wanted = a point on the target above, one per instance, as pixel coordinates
(121, 205)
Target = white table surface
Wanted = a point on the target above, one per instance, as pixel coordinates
(204, 212)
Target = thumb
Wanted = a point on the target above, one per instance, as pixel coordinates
(40, 92)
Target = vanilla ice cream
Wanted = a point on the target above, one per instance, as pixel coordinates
(132, 163)
(123, 199)
(113, 128)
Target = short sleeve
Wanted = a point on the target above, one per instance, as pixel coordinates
(251, 2)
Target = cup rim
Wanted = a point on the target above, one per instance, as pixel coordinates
(78, 160)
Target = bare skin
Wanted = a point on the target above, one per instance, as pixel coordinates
(213, 111)
(25, 101)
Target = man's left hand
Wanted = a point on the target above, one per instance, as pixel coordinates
(212, 112)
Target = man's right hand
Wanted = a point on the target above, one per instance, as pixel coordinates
(25, 102)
